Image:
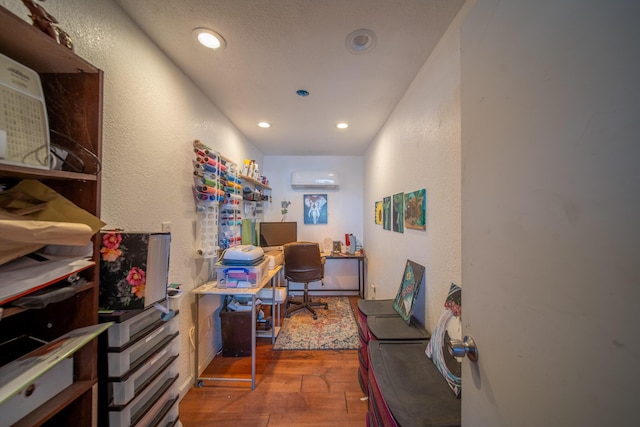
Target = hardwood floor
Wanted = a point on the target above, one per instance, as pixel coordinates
(310, 388)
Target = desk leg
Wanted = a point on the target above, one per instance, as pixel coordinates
(273, 311)
(361, 277)
(196, 376)
(253, 342)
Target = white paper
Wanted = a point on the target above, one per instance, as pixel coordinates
(24, 274)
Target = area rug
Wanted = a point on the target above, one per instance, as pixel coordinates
(335, 328)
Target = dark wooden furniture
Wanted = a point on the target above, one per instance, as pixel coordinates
(73, 93)
(406, 389)
(377, 319)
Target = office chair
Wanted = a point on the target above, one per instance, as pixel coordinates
(303, 264)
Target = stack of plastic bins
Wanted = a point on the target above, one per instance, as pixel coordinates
(407, 389)
(378, 320)
(138, 369)
(369, 308)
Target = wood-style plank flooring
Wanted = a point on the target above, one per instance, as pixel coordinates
(310, 388)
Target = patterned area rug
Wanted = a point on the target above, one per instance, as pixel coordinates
(335, 328)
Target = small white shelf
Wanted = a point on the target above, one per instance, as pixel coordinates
(267, 334)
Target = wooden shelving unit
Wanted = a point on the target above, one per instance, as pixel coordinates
(73, 94)
(255, 182)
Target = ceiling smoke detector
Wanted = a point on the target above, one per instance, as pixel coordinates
(361, 41)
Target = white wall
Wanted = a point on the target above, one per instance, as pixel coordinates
(419, 147)
(152, 114)
(345, 207)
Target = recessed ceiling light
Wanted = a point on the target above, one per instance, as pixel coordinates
(342, 125)
(209, 38)
(361, 41)
(264, 125)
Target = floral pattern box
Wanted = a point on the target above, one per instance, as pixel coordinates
(134, 269)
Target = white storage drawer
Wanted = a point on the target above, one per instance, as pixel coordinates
(241, 276)
(148, 406)
(40, 391)
(168, 415)
(131, 356)
(120, 334)
(123, 392)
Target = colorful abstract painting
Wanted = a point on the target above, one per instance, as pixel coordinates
(386, 213)
(398, 212)
(315, 208)
(408, 291)
(415, 210)
(378, 212)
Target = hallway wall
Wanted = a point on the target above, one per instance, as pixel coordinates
(419, 147)
(152, 114)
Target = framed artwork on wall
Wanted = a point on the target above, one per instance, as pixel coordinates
(415, 210)
(398, 212)
(315, 208)
(378, 212)
(386, 213)
(405, 300)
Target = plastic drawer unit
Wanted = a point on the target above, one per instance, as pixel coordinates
(138, 370)
(372, 308)
(128, 357)
(407, 389)
(124, 389)
(241, 276)
(148, 405)
(379, 320)
(138, 321)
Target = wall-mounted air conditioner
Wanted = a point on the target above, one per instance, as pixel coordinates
(307, 179)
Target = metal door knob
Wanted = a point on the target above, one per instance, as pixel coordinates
(466, 347)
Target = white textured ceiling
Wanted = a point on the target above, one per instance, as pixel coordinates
(275, 47)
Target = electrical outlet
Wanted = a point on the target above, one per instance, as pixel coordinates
(166, 227)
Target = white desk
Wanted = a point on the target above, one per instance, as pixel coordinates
(210, 288)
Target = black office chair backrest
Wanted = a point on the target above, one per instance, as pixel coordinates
(302, 262)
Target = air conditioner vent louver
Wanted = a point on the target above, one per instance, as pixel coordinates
(308, 179)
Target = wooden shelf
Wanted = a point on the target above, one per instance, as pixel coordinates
(32, 173)
(73, 93)
(254, 182)
(56, 404)
(12, 311)
(36, 50)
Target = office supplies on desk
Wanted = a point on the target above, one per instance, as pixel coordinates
(243, 255)
(350, 242)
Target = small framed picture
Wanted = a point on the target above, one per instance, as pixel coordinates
(315, 208)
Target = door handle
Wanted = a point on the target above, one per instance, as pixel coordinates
(466, 347)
